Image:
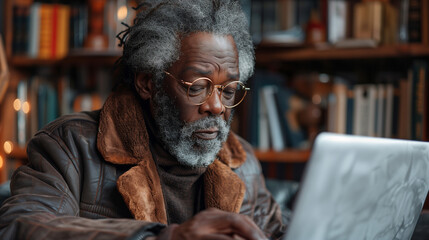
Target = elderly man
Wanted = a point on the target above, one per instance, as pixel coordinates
(158, 161)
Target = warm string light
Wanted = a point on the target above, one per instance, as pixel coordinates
(26, 107)
(122, 13)
(18, 105)
(8, 147)
(1, 162)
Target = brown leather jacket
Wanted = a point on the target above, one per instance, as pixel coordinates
(91, 176)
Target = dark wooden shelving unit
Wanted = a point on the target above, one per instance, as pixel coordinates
(286, 156)
(75, 57)
(267, 53)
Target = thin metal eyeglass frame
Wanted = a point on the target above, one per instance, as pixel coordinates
(221, 87)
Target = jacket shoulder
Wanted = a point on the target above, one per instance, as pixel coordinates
(251, 165)
(70, 120)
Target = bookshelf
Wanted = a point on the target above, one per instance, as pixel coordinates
(286, 156)
(72, 71)
(269, 54)
(389, 59)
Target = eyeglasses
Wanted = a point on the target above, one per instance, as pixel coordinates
(199, 90)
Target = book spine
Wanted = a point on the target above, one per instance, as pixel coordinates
(263, 128)
(46, 13)
(17, 30)
(417, 105)
(380, 111)
(273, 118)
(414, 21)
(34, 32)
(388, 125)
(63, 30)
(349, 111)
(54, 35)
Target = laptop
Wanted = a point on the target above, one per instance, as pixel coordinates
(358, 187)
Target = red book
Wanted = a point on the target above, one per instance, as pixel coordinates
(54, 31)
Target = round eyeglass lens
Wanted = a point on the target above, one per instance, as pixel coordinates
(200, 90)
(233, 93)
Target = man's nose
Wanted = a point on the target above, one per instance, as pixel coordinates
(213, 105)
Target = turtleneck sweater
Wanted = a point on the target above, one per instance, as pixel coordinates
(182, 186)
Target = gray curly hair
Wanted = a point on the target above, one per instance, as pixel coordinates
(152, 44)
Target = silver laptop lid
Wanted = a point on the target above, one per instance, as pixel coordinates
(361, 188)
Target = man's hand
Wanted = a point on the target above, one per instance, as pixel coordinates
(214, 224)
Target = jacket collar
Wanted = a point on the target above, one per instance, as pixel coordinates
(123, 139)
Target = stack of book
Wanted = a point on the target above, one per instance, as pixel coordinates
(392, 109)
(42, 30)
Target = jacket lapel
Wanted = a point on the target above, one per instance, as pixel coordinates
(223, 188)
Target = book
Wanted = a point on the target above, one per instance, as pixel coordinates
(53, 31)
(414, 21)
(390, 26)
(349, 111)
(337, 107)
(286, 14)
(388, 114)
(368, 19)
(403, 22)
(34, 32)
(79, 24)
(47, 104)
(260, 79)
(418, 85)
(404, 131)
(380, 110)
(63, 29)
(20, 30)
(287, 104)
(46, 31)
(263, 141)
(277, 139)
(364, 109)
(337, 20)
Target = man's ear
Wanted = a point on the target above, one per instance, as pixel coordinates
(143, 85)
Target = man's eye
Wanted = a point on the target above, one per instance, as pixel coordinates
(197, 89)
(229, 92)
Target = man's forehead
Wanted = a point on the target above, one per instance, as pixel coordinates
(208, 42)
(200, 50)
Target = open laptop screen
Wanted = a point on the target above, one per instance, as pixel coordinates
(361, 188)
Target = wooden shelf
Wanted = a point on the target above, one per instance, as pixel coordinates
(287, 156)
(88, 57)
(267, 54)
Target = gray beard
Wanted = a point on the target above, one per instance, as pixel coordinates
(177, 136)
